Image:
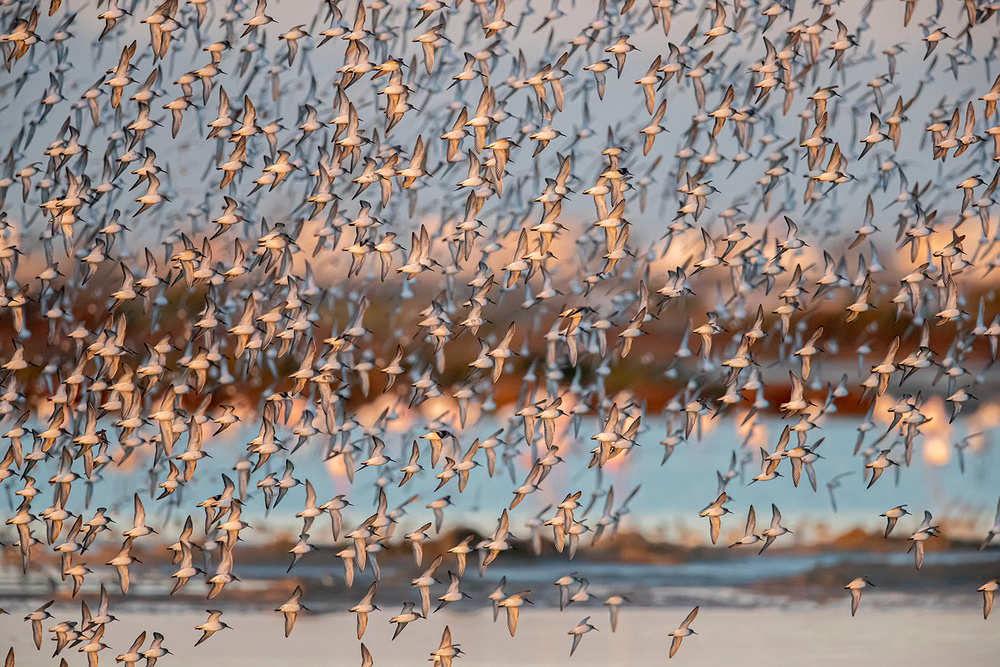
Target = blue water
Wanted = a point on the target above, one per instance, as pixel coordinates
(665, 508)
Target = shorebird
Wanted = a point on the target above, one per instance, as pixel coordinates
(564, 583)
(715, 511)
(365, 607)
(773, 531)
(749, 537)
(613, 603)
(513, 603)
(407, 615)
(453, 594)
(578, 632)
(879, 465)
(36, 617)
(291, 609)
(95, 644)
(684, 630)
(133, 654)
(209, 627)
(423, 583)
(855, 588)
(892, 516)
(923, 533)
(133, 325)
(447, 650)
(155, 650)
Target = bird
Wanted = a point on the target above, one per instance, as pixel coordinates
(773, 531)
(620, 48)
(122, 562)
(133, 654)
(186, 569)
(143, 311)
(211, 626)
(513, 603)
(453, 594)
(95, 644)
(407, 615)
(497, 596)
(447, 650)
(855, 587)
(564, 583)
(715, 511)
(879, 465)
(578, 632)
(613, 603)
(139, 527)
(291, 609)
(36, 617)
(155, 650)
(423, 583)
(684, 630)
(749, 537)
(892, 516)
(924, 532)
(365, 607)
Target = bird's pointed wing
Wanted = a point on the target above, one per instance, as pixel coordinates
(140, 511)
(425, 598)
(674, 645)
(796, 473)
(362, 624)
(690, 617)
(139, 641)
(512, 613)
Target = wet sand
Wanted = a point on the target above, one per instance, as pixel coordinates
(893, 630)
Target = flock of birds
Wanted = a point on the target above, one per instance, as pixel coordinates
(256, 267)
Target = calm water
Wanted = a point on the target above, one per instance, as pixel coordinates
(665, 507)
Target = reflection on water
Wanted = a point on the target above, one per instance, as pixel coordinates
(667, 503)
